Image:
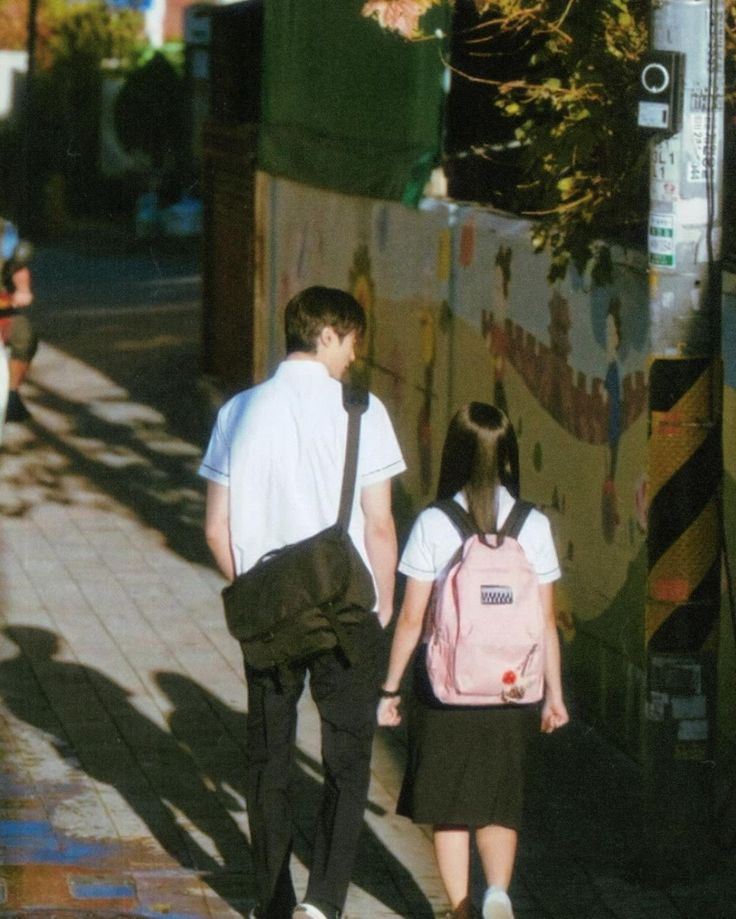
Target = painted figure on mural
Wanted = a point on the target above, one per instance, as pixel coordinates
(424, 419)
(555, 389)
(612, 395)
(494, 324)
(361, 286)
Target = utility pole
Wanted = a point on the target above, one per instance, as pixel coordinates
(685, 461)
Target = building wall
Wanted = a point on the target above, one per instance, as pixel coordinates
(227, 182)
(460, 308)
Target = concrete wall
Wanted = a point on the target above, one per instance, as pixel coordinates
(460, 308)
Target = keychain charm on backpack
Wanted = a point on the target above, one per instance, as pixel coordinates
(515, 682)
(487, 635)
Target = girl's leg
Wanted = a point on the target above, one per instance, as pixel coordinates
(452, 851)
(497, 850)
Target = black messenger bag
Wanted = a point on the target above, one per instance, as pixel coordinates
(296, 601)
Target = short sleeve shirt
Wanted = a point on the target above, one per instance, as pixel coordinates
(433, 542)
(279, 448)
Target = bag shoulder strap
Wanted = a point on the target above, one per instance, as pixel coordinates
(465, 525)
(459, 517)
(355, 402)
(516, 518)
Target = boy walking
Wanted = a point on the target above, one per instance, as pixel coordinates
(274, 468)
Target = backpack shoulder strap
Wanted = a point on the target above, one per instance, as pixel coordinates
(516, 518)
(466, 527)
(459, 517)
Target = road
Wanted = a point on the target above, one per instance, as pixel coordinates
(133, 312)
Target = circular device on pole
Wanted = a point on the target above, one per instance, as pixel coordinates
(655, 77)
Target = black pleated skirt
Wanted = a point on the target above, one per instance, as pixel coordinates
(466, 763)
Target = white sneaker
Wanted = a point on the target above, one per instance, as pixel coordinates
(496, 904)
(307, 911)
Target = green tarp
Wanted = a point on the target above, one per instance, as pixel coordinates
(346, 105)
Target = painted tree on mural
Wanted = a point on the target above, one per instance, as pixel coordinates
(564, 75)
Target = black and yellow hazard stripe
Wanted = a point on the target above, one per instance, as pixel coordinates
(684, 470)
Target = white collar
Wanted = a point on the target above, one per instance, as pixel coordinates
(301, 367)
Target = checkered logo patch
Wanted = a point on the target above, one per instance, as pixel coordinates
(496, 595)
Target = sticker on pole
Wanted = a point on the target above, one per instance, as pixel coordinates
(661, 242)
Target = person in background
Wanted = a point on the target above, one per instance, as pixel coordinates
(16, 328)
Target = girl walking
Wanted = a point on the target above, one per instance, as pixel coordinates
(465, 768)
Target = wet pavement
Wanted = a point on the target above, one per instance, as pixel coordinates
(122, 700)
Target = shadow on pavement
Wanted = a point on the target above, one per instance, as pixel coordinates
(219, 752)
(137, 463)
(195, 772)
(93, 725)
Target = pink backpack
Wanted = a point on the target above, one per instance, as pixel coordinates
(486, 639)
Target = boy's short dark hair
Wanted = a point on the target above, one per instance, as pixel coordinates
(315, 308)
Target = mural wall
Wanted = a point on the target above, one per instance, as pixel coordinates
(459, 308)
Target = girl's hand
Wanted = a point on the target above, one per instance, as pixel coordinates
(554, 715)
(388, 714)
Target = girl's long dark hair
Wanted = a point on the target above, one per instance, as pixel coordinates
(480, 453)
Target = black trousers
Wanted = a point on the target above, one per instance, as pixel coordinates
(346, 698)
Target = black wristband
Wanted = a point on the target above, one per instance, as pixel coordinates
(389, 694)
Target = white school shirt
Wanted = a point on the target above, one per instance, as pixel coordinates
(279, 447)
(433, 541)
